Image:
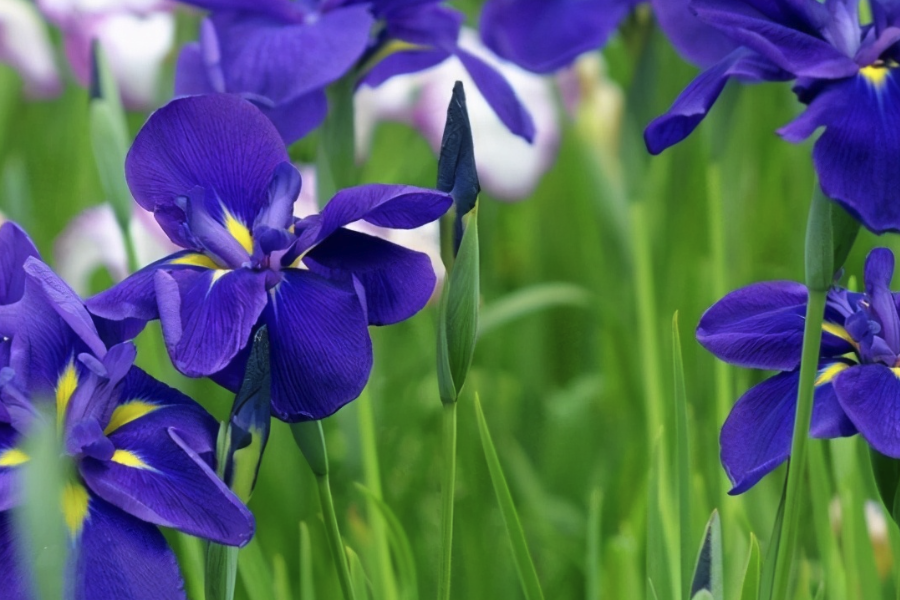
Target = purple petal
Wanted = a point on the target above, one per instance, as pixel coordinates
(756, 436)
(427, 24)
(156, 477)
(545, 36)
(283, 191)
(9, 471)
(870, 395)
(135, 297)
(207, 317)
(500, 95)
(296, 118)
(15, 248)
(320, 348)
(855, 155)
(789, 41)
(217, 142)
(120, 557)
(16, 582)
(276, 8)
(696, 41)
(191, 75)
(761, 327)
(394, 206)
(398, 282)
(402, 63)
(694, 102)
(283, 61)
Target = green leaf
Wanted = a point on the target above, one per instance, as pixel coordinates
(592, 565)
(708, 574)
(830, 235)
(358, 574)
(658, 562)
(192, 557)
(458, 324)
(336, 156)
(221, 571)
(527, 301)
(682, 458)
(767, 578)
(703, 595)
(750, 587)
(528, 578)
(307, 585)
(400, 544)
(886, 471)
(109, 138)
(280, 580)
(255, 573)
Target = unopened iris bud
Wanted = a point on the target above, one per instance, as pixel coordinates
(243, 439)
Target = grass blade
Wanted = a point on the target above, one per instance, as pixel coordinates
(531, 586)
(682, 459)
(307, 587)
(254, 572)
(524, 302)
(658, 564)
(750, 588)
(593, 565)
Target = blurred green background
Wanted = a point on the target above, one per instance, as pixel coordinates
(565, 389)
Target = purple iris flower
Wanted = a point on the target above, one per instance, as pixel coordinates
(844, 71)
(15, 248)
(215, 173)
(281, 54)
(143, 453)
(544, 36)
(858, 384)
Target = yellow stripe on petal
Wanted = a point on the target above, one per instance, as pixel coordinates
(12, 457)
(65, 387)
(875, 74)
(195, 259)
(838, 331)
(219, 274)
(830, 372)
(129, 459)
(239, 232)
(128, 412)
(75, 506)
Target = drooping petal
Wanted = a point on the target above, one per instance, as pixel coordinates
(403, 63)
(320, 348)
(12, 564)
(394, 206)
(216, 142)
(545, 36)
(695, 101)
(761, 326)
(135, 297)
(296, 118)
(207, 316)
(870, 395)
(397, 282)
(282, 61)
(119, 557)
(694, 40)
(11, 458)
(15, 248)
(854, 155)
(756, 436)
(788, 38)
(158, 478)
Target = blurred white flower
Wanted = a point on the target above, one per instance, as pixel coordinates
(25, 45)
(509, 167)
(425, 239)
(136, 36)
(93, 240)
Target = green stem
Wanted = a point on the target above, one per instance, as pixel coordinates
(646, 306)
(812, 336)
(130, 251)
(373, 481)
(448, 490)
(333, 533)
(221, 571)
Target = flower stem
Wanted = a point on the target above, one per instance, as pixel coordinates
(333, 533)
(448, 491)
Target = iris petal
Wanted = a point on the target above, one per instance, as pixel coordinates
(870, 395)
(12, 565)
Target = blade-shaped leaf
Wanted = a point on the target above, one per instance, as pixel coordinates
(528, 578)
(358, 574)
(524, 302)
(307, 586)
(255, 573)
(750, 587)
(406, 562)
(682, 458)
(659, 569)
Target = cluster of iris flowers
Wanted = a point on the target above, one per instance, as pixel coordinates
(212, 167)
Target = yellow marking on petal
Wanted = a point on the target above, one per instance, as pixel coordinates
(391, 47)
(875, 74)
(13, 457)
(219, 274)
(830, 372)
(196, 260)
(239, 232)
(896, 371)
(838, 331)
(128, 412)
(74, 506)
(129, 459)
(65, 387)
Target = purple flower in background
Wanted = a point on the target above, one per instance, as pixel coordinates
(844, 72)
(544, 36)
(858, 384)
(281, 55)
(216, 175)
(143, 452)
(15, 248)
